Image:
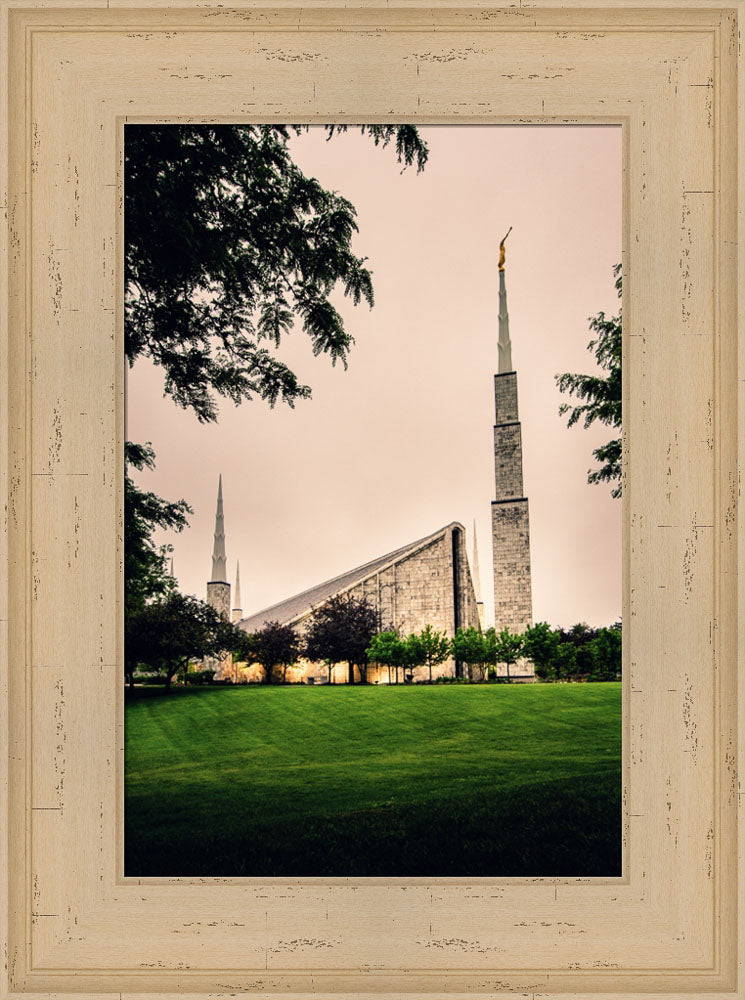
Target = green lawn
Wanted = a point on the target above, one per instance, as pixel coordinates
(443, 780)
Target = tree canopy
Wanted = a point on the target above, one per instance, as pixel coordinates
(341, 630)
(601, 394)
(228, 243)
(275, 645)
(145, 572)
(166, 634)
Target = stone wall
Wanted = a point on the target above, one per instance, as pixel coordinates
(508, 462)
(505, 398)
(513, 603)
(218, 597)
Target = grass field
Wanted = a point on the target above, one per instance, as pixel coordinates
(443, 780)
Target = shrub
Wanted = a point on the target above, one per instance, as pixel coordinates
(200, 677)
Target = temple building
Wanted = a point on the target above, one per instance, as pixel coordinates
(429, 581)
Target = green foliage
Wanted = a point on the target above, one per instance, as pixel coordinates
(146, 575)
(228, 244)
(389, 650)
(507, 647)
(470, 646)
(168, 633)
(420, 780)
(245, 647)
(272, 646)
(198, 678)
(565, 660)
(606, 654)
(428, 648)
(601, 394)
(341, 630)
(581, 652)
(539, 646)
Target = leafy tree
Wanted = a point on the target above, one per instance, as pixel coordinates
(227, 244)
(429, 648)
(387, 649)
(469, 645)
(565, 660)
(601, 394)
(166, 634)
(146, 576)
(276, 645)
(539, 646)
(606, 654)
(244, 647)
(341, 630)
(507, 648)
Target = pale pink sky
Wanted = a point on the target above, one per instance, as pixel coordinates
(401, 443)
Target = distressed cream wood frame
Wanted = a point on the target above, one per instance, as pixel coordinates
(669, 926)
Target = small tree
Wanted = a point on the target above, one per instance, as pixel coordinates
(507, 648)
(468, 645)
(539, 646)
(435, 648)
(606, 654)
(565, 660)
(386, 648)
(275, 645)
(342, 630)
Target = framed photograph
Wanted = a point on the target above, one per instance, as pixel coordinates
(105, 895)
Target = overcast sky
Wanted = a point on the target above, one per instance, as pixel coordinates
(401, 443)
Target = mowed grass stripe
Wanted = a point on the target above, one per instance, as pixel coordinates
(374, 780)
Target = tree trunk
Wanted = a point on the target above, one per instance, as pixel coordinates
(430, 672)
(508, 672)
(168, 677)
(351, 673)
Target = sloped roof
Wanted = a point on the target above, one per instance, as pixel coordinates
(294, 608)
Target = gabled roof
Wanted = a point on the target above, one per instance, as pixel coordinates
(295, 608)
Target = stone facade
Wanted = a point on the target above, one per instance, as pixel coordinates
(218, 597)
(513, 601)
(426, 583)
(513, 605)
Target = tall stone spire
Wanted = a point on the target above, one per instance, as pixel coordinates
(219, 561)
(505, 344)
(237, 609)
(513, 601)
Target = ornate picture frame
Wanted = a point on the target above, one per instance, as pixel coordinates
(668, 927)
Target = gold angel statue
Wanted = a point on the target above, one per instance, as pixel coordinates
(501, 249)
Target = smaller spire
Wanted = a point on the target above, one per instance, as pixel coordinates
(237, 609)
(237, 602)
(475, 566)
